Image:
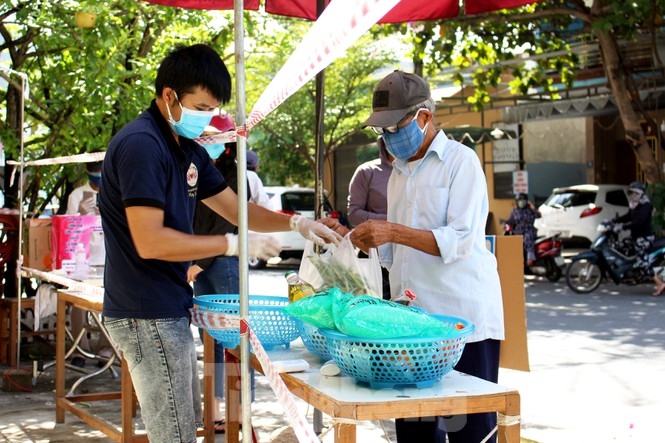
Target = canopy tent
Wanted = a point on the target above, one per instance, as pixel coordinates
(338, 25)
(404, 11)
(390, 11)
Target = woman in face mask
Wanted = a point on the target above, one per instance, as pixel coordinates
(521, 221)
(638, 221)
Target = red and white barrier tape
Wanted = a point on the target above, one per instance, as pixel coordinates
(214, 320)
(222, 137)
(298, 422)
(79, 158)
(218, 320)
(338, 27)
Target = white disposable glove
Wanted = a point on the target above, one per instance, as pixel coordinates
(260, 246)
(316, 232)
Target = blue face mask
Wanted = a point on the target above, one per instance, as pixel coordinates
(192, 123)
(95, 178)
(214, 150)
(404, 143)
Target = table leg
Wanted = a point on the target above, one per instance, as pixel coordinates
(509, 432)
(208, 387)
(5, 329)
(345, 433)
(14, 334)
(232, 395)
(60, 359)
(127, 405)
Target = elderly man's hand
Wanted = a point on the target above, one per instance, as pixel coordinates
(372, 233)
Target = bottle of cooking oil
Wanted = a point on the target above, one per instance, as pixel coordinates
(298, 288)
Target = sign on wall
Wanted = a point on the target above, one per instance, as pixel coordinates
(520, 182)
(506, 157)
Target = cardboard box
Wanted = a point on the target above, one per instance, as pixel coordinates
(514, 349)
(37, 244)
(68, 231)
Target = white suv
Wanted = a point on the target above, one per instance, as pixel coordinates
(576, 211)
(292, 200)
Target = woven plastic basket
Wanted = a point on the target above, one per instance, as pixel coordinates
(266, 318)
(313, 340)
(392, 362)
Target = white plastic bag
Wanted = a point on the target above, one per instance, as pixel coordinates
(341, 267)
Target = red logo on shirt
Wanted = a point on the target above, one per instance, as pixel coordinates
(192, 175)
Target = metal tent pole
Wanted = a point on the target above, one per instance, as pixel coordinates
(245, 387)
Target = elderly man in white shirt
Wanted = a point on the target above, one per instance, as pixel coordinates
(433, 241)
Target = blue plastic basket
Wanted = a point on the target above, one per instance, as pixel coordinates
(391, 362)
(313, 340)
(266, 318)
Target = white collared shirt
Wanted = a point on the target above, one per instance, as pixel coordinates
(447, 194)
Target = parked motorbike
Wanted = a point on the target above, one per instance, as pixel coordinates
(549, 261)
(610, 256)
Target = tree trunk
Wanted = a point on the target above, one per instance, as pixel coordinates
(630, 119)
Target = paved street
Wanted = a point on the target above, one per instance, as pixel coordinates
(596, 363)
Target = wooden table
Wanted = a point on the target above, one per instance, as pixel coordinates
(341, 397)
(70, 402)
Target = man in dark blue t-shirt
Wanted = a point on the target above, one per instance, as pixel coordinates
(152, 176)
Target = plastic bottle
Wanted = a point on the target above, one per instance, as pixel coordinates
(298, 288)
(80, 262)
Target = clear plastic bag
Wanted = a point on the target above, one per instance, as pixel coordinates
(341, 267)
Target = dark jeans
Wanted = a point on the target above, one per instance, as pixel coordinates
(384, 275)
(480, 359)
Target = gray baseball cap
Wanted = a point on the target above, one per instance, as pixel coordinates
(394, 95)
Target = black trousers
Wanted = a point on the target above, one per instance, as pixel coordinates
(480, 359)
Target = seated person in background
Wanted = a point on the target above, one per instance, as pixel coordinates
(83, 201)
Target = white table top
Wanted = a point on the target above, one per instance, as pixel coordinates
(344, 388)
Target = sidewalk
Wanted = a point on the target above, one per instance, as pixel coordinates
(596, 366)
(30, 416)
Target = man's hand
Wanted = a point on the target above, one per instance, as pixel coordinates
(88, 206)
(335, 225)
(316, 232)
(192, 272)
(372, 234)
(260, 246)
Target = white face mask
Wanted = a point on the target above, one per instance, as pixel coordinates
(634, 199)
